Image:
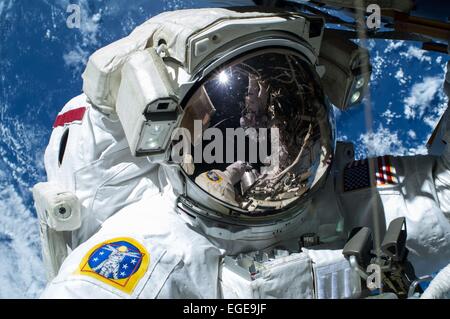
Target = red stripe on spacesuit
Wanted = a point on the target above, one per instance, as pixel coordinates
(388, 170)
(380, 180)
(69, 117)
(384, 170)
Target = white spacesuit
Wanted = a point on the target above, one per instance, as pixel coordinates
(274, 227)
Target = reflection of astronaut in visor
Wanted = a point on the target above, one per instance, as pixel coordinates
(272, 89)
(255, 113)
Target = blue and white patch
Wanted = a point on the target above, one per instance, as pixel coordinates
(213, 176)
(120, 262)
(117, 260)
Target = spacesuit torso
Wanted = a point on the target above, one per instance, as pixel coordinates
(168, 256)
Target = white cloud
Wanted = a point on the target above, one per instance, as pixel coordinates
(77, 53)
(415, 52)
(421, 96)
(420, 149)
(412, 134)
(386, 142)
(400, 76)
(17, 156)
(76, 58)
(433, 118)
(381, 142)
(5, 6)
(89, 26)
(389, 116)
(378, 64)
(170, 5)
(21, 269)
(393, 45)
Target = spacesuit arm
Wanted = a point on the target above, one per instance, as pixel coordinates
(91, 173)
(442, 168)
(439, 288)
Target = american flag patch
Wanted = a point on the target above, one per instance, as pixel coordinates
(357, 173)
(385, 172)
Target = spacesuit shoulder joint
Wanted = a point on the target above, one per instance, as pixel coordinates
(72, 112)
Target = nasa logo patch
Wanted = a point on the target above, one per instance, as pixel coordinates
(119, 262)
(213, 176)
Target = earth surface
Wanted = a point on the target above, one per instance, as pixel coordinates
(41, 61)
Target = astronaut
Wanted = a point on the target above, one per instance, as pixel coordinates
(111, 265)
(265, 209)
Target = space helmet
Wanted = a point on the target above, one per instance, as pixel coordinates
(230, 102)
(259, 132)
